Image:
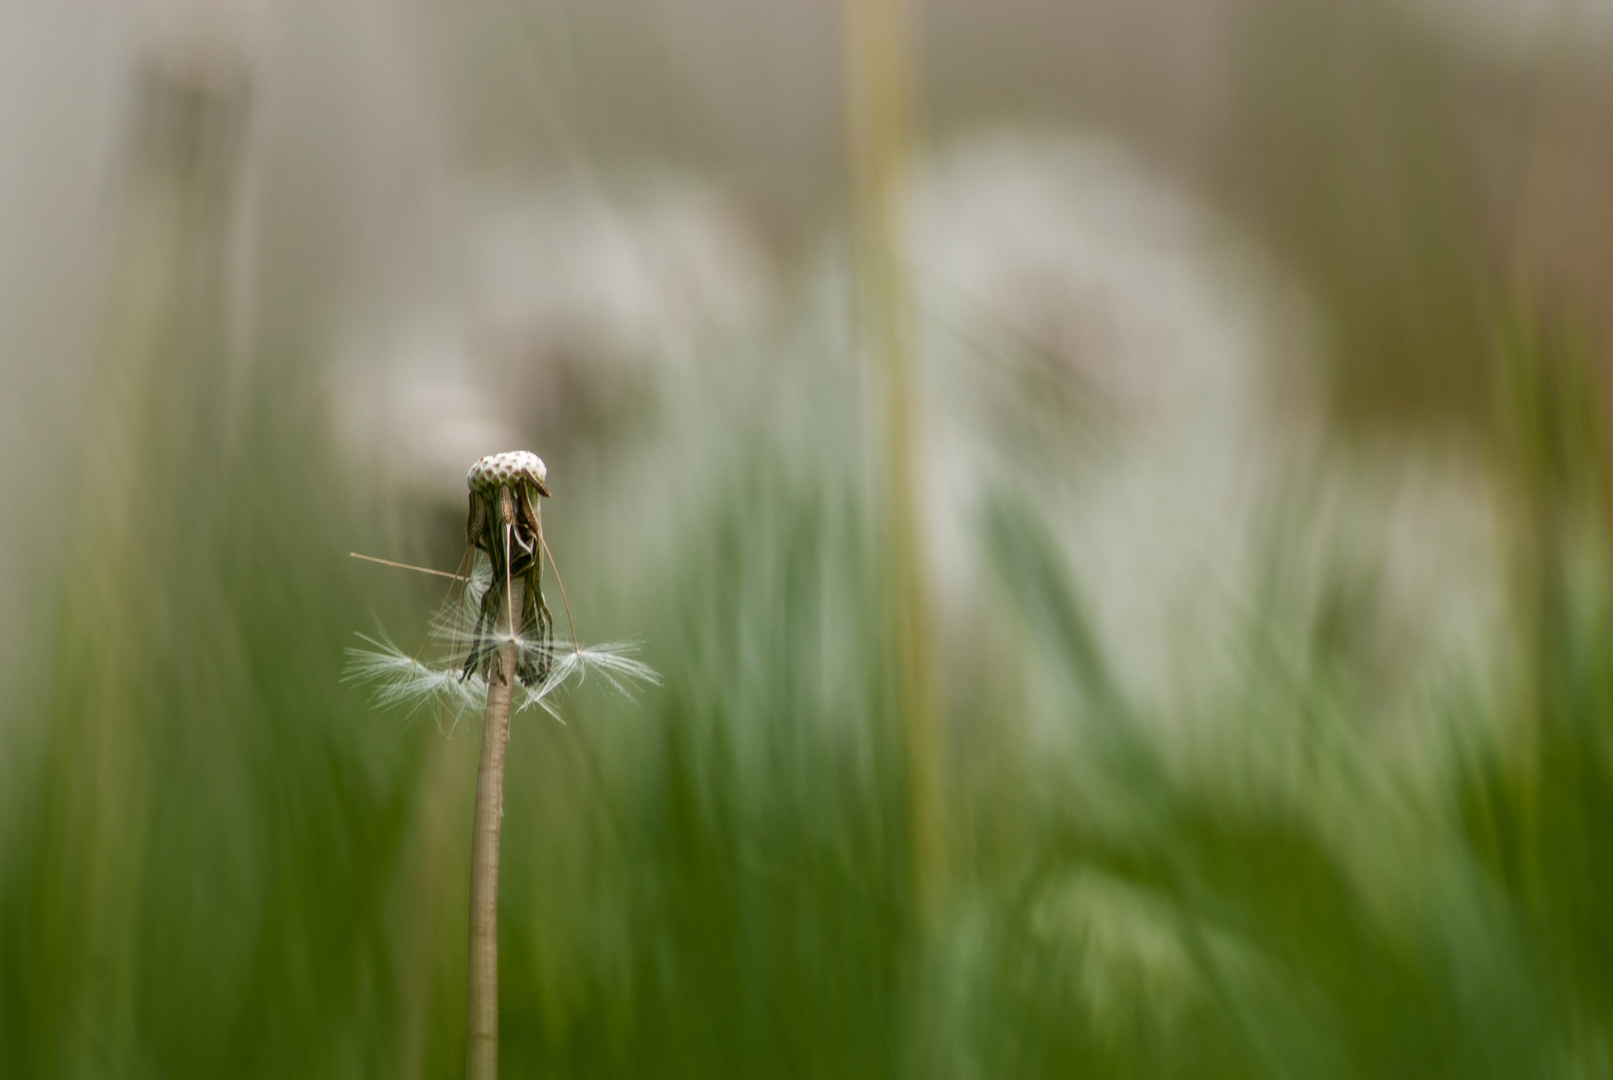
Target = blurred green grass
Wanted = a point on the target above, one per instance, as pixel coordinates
(711, 882)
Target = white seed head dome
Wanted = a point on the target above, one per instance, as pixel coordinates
(497, 470)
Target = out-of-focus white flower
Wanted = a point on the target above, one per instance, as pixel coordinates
(1068, 254)
(1090, 334)
(646, 274)
(571, 306)
(419, 418)
(1095, 340)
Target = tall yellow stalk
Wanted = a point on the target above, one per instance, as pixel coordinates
(879, 102)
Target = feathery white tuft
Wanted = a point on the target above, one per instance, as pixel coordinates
(612, 661)
(399, 680)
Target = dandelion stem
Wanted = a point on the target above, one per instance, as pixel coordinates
(481, 1034)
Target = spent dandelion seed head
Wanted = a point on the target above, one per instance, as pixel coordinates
(466, 632)
(504, 522)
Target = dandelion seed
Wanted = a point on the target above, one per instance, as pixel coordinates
(401, 680)
(612, 661)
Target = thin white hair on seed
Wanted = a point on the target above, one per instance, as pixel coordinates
(454, 624)
(614, 662)
(611, 661)
(398, 679)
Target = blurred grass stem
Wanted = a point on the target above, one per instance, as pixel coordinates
(149, 466)
(879, 79)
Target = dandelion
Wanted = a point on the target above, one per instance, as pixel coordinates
(500, 650)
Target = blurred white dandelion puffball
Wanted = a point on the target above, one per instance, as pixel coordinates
(1092, 338)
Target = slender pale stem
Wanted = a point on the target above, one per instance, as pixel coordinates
(879, 89)
(481, 1035)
